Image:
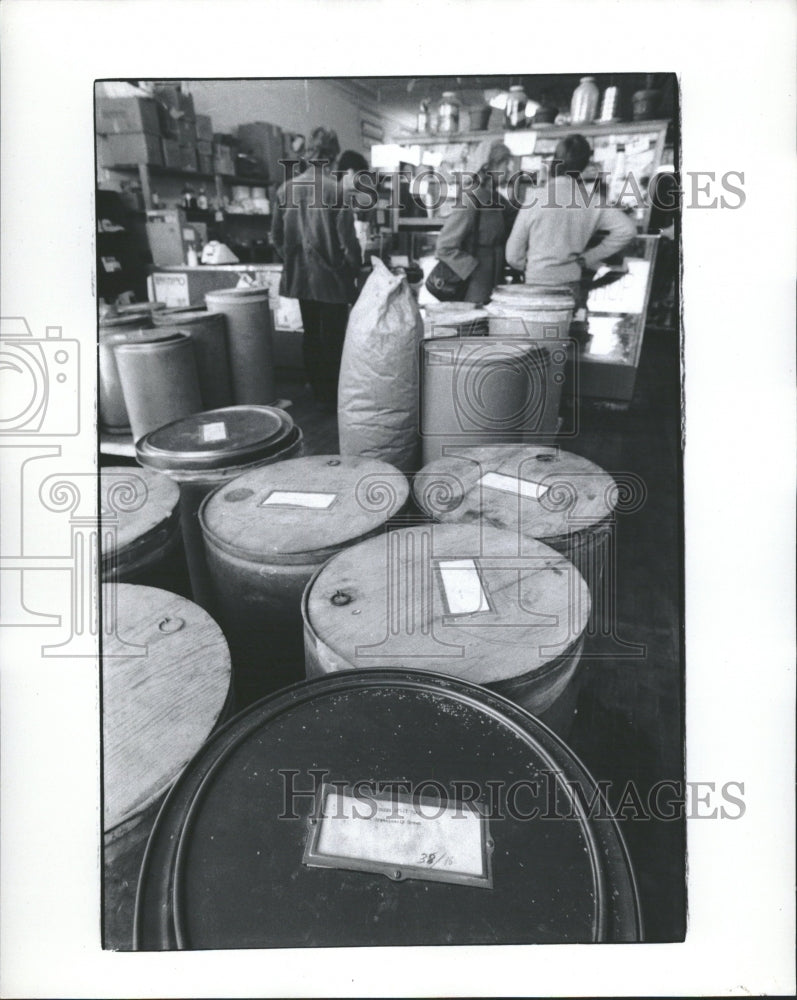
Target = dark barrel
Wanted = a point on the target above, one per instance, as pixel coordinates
(257, 845)
(207, 449)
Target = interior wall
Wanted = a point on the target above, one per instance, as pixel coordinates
(295, 105)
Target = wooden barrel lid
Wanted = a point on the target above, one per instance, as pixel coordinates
(424, 598)
(305, 505)
(135, 501)
(543, 492)
(165, 678)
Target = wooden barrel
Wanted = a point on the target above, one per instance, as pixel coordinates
(140, 525)
(462, 767)
(159, 380)
(165, 686)
(479, 603)
(207, 449)
(115, 330)
(530, 311)
(546, 493)
(478, 391)
(266, 533)
(249, 342)
(208, 333)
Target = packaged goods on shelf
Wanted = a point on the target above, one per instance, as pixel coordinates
(135, 147)
(125, 115)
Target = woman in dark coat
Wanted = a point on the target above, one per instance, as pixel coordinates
(472, 239)
(313, 232)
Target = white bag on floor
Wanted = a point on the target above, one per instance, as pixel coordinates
(378, 393)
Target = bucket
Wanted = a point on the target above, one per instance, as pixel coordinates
(532, 312)
(549, 494)
(237, 859)
(140, 524)
(159, 380)
(482, 391)
(208, 333)
(249, 342)
(266, 533)
(475, 602)
(115, 330)
(207, 449)
(165, 685)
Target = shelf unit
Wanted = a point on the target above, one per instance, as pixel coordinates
(147, 171)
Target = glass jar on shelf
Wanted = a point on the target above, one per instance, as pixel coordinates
(448, 114)
(515, 112)
(584, 104)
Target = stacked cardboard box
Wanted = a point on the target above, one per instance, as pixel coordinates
(131, 130)
(265, 142)
(224, 148)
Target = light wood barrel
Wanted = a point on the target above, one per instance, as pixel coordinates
(479, 603)
(266, 532)
(545, 493)
(165, 681)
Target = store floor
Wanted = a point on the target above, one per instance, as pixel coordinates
(628, 730)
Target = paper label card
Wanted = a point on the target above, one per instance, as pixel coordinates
(462, 586)
(525, 488)
(400, 836)
(214, 432)
(287, 498)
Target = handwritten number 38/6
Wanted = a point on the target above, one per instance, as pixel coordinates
(430, 859)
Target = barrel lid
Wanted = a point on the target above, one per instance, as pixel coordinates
(230, 840)
(545, 492)
(237, 294)
(470, 600)
(476, 351)
(216, 439)
(304, 506)
(181, 316)
(165, 678)
(140, 308)
(525, 297)
(126, 322)
(134, 501)
(153, 340)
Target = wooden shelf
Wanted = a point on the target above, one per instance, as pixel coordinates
(158, 171)
(595, 128)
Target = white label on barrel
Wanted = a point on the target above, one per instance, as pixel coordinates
(214, 432)
(404, 838)
(525, 488)
(286, 498)
(463, 586)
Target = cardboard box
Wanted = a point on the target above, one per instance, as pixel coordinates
(126, 115)
(204, 128)
(205, 163)
(135, 147)
(188, 160)
(265, 141)
(170, 236)
(171, 95)
(168, 121)
(172, 156)
(186, 132)
(204, 147)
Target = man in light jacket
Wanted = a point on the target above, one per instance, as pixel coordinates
(549, 240)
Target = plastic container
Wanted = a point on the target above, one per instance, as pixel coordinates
(266, 533)
(235, 863)
(249, 342)
(159, 380)
(207, 449)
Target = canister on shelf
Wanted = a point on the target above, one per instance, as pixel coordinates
(249, 342)
(515, 112)
(584, 103)
(159, 380)
(207, 449)
(444, 755)
(266, 532)
(140, 529)
(472, 601)
(448, 113)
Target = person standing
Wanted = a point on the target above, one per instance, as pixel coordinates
(313, 233)
(472, 239)
(563, 236)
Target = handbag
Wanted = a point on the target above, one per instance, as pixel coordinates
(444, 283)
